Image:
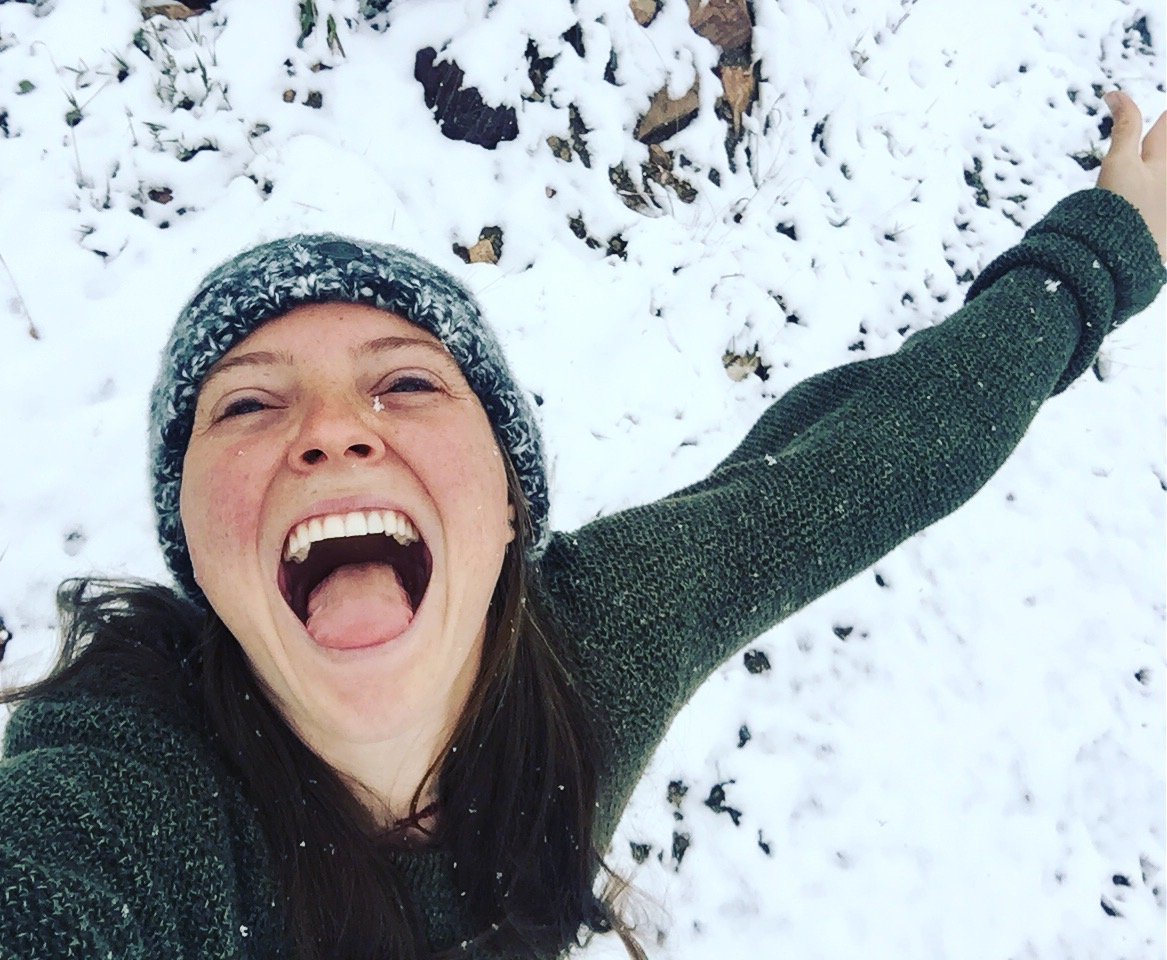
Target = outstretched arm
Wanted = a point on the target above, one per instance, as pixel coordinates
(845, 466)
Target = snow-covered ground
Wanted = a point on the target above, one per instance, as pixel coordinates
(958, 754)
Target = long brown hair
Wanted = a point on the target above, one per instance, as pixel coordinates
(516, 783)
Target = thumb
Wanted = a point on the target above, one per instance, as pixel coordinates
(1155, 146)
(1128, 124)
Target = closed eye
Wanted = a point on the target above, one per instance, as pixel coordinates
(410, 384)
(242, 407)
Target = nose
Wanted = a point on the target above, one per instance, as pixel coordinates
(335, 431)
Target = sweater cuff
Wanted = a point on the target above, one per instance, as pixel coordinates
(1096, 244)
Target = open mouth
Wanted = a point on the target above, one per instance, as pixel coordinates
(318, 548)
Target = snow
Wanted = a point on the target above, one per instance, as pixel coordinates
(958, 754)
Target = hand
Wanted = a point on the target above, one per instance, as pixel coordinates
(1137, 175)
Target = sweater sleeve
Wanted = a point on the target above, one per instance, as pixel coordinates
(114, 841)
(836, 473)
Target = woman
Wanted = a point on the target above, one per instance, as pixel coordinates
(392, 714)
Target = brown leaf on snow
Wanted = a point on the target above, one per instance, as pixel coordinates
(172, 11)
(724, 23)
(487, 249)
(740, 87)
(739, 365)
(644, 11)
(483, 252)
(666, 116)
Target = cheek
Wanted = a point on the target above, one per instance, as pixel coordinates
(477, 470)
(461, 464)
(220, 506)
(476, 479)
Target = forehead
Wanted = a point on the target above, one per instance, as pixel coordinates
(326, 331)
(324, 324)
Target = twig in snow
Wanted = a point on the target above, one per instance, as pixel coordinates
(906, 6)
(19, 301)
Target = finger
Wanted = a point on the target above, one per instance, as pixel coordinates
(1155, 144)
(1128, 124)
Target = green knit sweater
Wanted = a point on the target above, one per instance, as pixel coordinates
(124, 837)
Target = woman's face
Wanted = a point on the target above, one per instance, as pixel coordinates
(322, 427)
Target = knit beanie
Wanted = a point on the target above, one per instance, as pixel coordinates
(269, 280)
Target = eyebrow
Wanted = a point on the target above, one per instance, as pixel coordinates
(381, 344)
(268, 358)
(257, 358)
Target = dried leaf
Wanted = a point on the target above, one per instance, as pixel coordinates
(666, 117)
(483, 252)
(740, 87)
(644, 11)
(172, 11)
(739, 366)
(724, 23)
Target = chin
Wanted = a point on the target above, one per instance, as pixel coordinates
(387, 691)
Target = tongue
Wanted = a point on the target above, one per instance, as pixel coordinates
(358, 605)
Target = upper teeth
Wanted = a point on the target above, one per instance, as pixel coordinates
(337, 525)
